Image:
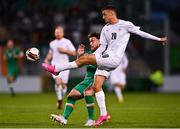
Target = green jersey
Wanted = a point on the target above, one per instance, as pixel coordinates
(88, 80)
(90, 71)
(12, 61)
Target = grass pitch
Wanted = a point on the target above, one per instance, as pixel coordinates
(143, 110)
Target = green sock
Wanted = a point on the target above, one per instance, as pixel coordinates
(90, 106)
(69, 107)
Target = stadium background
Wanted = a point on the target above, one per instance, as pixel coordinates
(31, 24)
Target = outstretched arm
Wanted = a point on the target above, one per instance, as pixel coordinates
(66, 51)
(143, 34)
(136, 30)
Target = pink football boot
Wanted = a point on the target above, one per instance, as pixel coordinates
(101, 119)
(49, 68)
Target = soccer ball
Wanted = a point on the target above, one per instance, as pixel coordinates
(33, 54)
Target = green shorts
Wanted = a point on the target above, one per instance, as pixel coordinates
(82, 86)
(12, 72)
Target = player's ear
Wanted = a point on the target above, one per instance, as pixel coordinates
(111, 13)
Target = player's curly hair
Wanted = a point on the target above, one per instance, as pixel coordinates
(94, 34)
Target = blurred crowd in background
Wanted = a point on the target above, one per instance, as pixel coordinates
(31, 23)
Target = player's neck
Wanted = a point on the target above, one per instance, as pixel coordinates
(114, 21)
(59, 38)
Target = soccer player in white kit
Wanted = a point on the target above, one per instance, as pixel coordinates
(113, 41)
(60, 49)
(117, 78)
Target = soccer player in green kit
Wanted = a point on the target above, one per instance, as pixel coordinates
(12, 54)
(83, 89)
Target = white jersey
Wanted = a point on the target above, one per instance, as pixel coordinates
(116, 37)
(60, 58)
(124, 63)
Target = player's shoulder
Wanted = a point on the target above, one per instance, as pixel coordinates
(66, 40)
(105, 27)
(126, 22)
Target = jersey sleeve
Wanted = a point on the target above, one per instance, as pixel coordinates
(132, 28)
(103, 37)
(136, 30)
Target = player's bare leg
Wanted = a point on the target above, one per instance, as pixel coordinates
(75, 94)
(59, 93)
(81, 61)
(100, 98)
(64, 90)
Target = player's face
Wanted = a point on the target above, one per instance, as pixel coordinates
(107, 15)
(94, 43)
(10, 44)
(59, 33)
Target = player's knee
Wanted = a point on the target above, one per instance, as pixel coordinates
(96, 87)
(89, 91)
(58, 81)
(75, 94)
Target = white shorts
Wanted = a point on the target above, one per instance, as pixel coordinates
(102, 72)
(64, 75)
(105, 64)
(117, 77)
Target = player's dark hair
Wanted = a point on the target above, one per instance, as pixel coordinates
(109, 7)
(59, 26)
(94, 34)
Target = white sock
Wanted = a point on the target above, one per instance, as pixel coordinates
(100, 98)
(118, 92)
(58, 90)
(66, 66)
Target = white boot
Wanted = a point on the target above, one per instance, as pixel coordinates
(89, 123)
(59, 118)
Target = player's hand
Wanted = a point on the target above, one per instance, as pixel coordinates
(21, 54)
(80, 50)
(163, 40)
